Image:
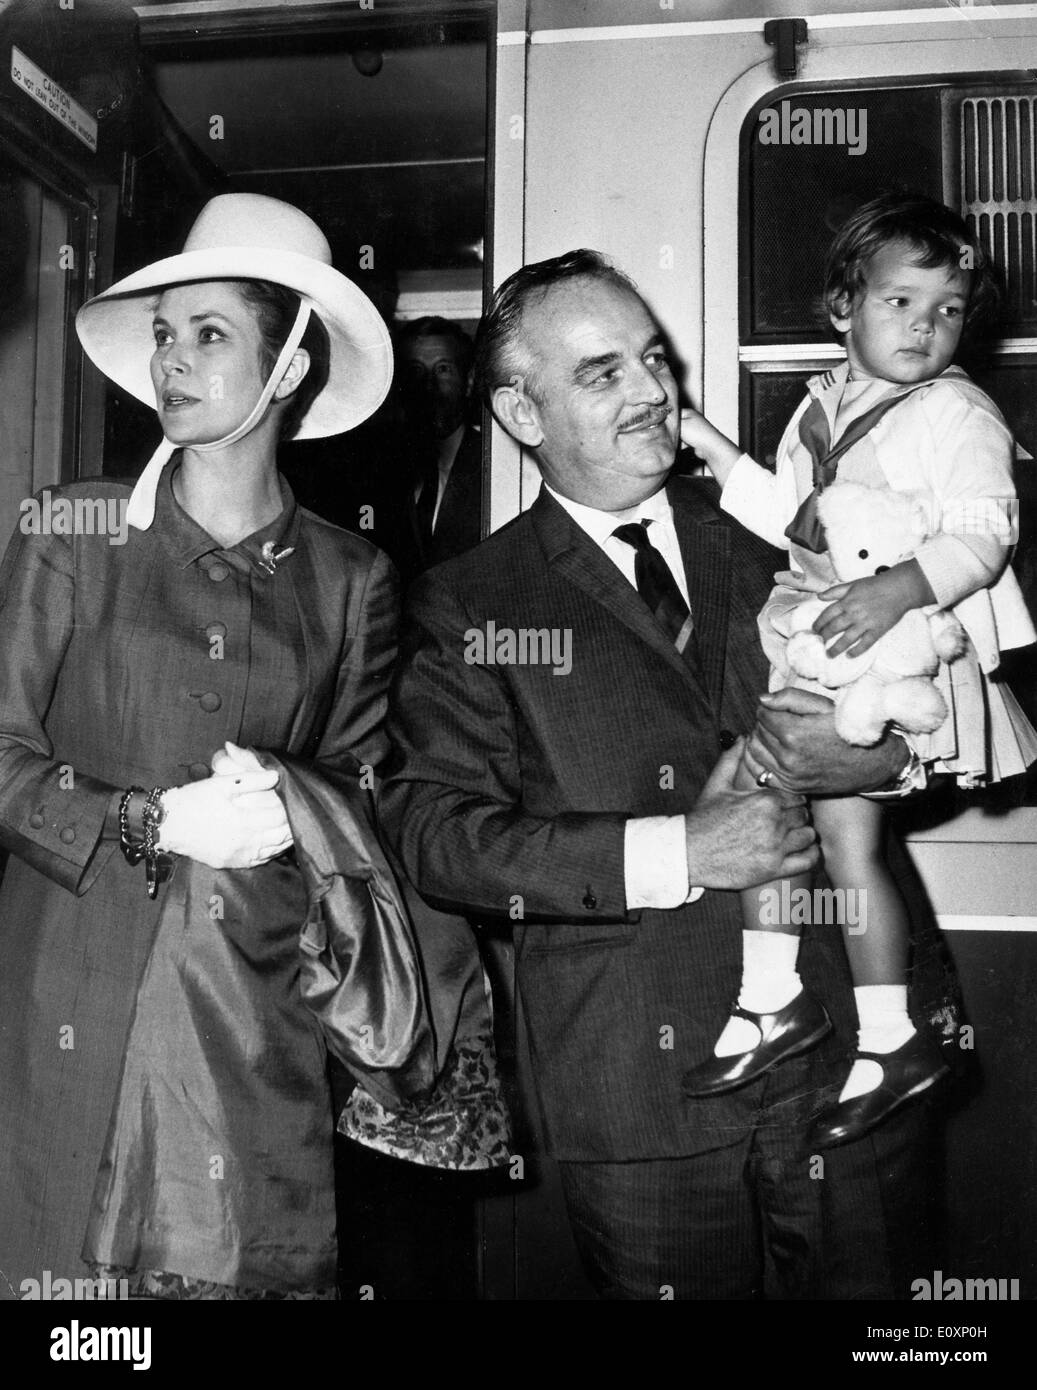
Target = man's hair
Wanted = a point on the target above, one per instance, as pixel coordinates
(500, 359)
(939, 237)
(432, 326)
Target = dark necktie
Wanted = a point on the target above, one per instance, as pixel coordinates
(805, 528)
(656, 584)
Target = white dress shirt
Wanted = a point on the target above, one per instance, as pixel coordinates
(446, 453)
(655, 853)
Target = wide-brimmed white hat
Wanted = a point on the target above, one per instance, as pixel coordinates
(246, 236)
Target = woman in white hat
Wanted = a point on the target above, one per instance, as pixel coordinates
(169, 1106)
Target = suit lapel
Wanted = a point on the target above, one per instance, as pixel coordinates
(577, 559)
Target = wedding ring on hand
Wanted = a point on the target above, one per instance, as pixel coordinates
(765, 778)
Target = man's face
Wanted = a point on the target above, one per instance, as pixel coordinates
(433, 384)
(606, 400)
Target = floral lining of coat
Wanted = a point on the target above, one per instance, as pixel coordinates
(464, 1125)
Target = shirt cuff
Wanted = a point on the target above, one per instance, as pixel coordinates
(742, 486)
(655, 863)
(913, 777)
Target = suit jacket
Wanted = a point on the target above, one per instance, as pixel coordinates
(947, 438)
(509, 786)
(459, 523)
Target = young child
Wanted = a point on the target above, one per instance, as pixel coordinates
(904, 276)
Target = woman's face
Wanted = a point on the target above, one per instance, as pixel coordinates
(206, 365)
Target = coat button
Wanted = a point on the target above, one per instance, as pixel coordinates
(218, 572)
(589, 900)
(727, 739)
(198, 772)
(216, 630)
(36, 821)
(210, 702)
(67, 836)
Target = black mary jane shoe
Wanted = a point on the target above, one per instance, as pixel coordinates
(795, 1028)
(906, 1072)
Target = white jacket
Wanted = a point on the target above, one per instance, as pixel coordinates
(948, 438)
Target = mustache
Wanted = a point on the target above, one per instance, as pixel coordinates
(654, 416)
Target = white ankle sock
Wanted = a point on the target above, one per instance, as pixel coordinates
(769, 982)
(883, 1025)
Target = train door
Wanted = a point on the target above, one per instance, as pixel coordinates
(68, 87)
(48, 249)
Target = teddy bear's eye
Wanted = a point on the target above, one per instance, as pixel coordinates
(862, 554)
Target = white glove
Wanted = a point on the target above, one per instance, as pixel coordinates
(232, 821)
(230, 761)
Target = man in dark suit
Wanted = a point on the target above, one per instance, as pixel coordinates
(565, 719)
(444, 501)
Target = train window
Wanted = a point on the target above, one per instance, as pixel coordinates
(972, 146)
(45, 254)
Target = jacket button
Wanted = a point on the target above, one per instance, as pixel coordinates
(727, 739)
(198, 772)
(216, 630)
(589, 900)
(210, 702)
(218, 572)
(67, 836)
(36, 821)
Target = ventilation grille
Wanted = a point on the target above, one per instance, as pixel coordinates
(999, 190)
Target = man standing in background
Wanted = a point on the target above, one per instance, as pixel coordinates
(433, 370)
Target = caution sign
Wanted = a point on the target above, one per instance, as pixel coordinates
(26, 75)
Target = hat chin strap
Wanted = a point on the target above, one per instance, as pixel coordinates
(140, 511)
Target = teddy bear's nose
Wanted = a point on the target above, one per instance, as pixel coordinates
(882, 569)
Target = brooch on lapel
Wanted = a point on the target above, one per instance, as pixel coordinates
(271, 558)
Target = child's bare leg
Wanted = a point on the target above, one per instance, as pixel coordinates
(875, 929)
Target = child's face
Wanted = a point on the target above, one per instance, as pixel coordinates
(905, 324)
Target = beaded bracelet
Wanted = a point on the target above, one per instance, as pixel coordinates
(157, 864)
(133, 850)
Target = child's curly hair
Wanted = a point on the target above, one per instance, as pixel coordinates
(939, 236)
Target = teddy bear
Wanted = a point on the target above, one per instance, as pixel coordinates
(868, 530)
